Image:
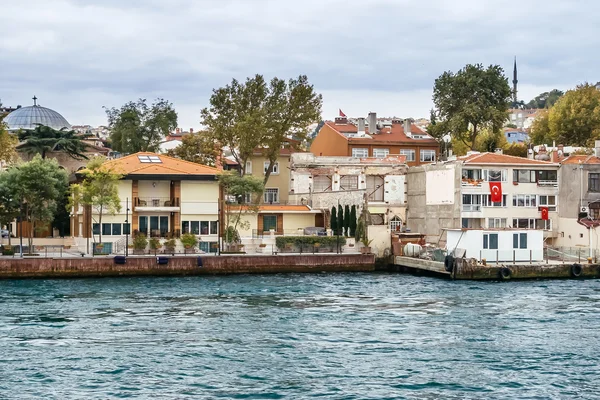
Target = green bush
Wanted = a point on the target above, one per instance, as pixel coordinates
(140, 241)
(7, 252)
(154, 243)
(232, 235)
(189, 240)
(308, 241)
(170, 245)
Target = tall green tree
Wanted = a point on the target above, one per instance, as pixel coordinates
(137, 126)
(8, 144)
(340, 219)
(99, 189)
(333, 224)
(37, 187)
(574, 119)
(353, 221)
(236, 189)
(198, 148)
(545, 100)
(347, 220)
(254, 114)
(43, 139)
(469, 100)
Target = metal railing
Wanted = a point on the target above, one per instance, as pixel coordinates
(256, 234)
(158, 233)
(156, 202)
(550, 183)
(471, 207)
(299, 202)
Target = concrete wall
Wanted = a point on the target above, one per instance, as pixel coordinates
(329, 143)
(381, 239)
(431, 219)
(199, 198)
(573, 186)
(280, 180)
(211, 265)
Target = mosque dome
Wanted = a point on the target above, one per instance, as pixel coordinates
(32, 116)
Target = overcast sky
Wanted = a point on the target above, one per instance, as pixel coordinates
(362, 55)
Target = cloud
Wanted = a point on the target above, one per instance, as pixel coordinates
(378, 55)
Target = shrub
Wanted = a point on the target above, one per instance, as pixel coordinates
(308, 241)
(140, 241)
(232, 235)
(154, 243)
(170, 245)
(189, 240)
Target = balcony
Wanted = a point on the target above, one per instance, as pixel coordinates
(552, 183)
(471, 182)
(471, 207)
(156, 204)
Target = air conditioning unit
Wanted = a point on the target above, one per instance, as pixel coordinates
(584, 209)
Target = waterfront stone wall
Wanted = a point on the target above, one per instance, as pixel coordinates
(184, 265)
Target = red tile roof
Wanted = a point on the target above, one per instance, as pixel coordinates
(493, 158)
(393, 134)
(132, 165)
(581, 159)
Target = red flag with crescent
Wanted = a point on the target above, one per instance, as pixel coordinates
(342, 113)
(544, 212)
(496, 192)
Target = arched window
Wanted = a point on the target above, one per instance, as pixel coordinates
(396, 224)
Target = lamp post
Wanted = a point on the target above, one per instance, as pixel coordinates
(126, 226)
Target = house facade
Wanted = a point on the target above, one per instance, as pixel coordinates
(365, 138)
(160, 197)
(457, 194)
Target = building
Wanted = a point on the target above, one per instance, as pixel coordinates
(579, 200)
(160, 197)
(173, 140)
(457, 194)
(522, 118)
(31, 116)
(516, 135)
(498, 244)
(372, 138)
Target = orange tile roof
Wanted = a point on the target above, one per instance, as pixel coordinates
(393, 134)
(581, 159)
(131, 165)
(493, 158)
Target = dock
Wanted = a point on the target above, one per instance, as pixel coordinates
(471, 269)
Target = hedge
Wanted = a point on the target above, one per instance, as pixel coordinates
(298, 241)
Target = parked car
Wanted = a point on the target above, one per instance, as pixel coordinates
(4, 233)
(315, 231)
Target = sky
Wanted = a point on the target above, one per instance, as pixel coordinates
(78, 56)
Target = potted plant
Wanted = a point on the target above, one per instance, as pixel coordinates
(366, 249)
(316, 247)
(189, 241)
(154, 244)
(170, 246)
(140, 241)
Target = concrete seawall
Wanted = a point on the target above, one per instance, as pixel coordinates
(15, 268)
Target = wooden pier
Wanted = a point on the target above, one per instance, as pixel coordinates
(470, 269)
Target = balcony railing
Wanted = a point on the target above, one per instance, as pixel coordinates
(160, 233)
(471, 207)
(471, 182)
(548, 183)
(299, 202)
(156, 202)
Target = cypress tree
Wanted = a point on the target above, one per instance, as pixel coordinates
(333, 223)
(353, 221)
(341, 219)
(347, 220)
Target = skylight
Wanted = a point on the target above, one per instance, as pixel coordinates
(149, 159)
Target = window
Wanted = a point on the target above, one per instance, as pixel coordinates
(375, 188)
(96, 229)
(410, 155)
(275, 167)
(149, 159)
(208, 247)
(524, 176)
(524, 223)
(496, 222)
(544, 224)
(127, 229)
(195, 227)
(487, 201)
(467, 223)
(185, 227)
(471, 202)
(547, 201)
(269, 222)
(106, 229)
(396, 224)
(116, 229)
(349, 182)
(248, 170)
(547, 176)
(321, 183)
(519, 240)
(427, 155)
(490, 241)
(471, 174)
(381, 153)
(271, 196)
(494, 175)
(594, 182)
(204, 227)
(360, 152)
(524, 200)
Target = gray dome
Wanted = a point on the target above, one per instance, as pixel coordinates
(29, 117)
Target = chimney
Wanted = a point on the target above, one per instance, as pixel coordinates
(341, 120)
(361, 126)
(597, 148)
(372, 121)
(407, 131)
(498, 151)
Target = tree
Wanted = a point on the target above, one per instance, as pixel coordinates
(546, 99)
(352, 221)
(236, 189)
(340, 218)
(8, 143)
(136, 126)
(44, 139)
(36, 187)
(253, 114)
(516, 149)
(470, 100)
(99, 189)
(347, 219)
(334, 220)
(574, 119)
(9, 204)
(198, 148)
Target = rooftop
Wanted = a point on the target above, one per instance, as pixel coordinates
(581, 159)
(387, 134)
(495, 158)
(145, 163)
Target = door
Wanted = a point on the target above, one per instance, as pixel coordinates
(154, 230)
(164, 226)
(143, 225)
(269, 222)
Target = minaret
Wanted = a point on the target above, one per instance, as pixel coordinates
(515, 81)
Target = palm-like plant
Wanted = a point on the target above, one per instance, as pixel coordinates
(43, 139)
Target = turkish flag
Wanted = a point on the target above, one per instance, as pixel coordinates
(496, 191)
(341, 113)
(544, 211)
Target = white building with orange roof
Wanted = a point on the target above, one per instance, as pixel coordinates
(483, 190)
